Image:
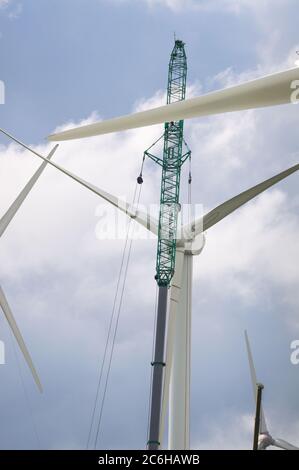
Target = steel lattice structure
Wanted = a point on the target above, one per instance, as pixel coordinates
(173, 159)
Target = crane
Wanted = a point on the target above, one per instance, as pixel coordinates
(171, 162)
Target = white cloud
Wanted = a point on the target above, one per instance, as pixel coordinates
(4, 3)
(15, 12)
(249, 247)
(235, 435)
(12, 10)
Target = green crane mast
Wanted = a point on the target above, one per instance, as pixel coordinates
(173, 159)
(171, 162)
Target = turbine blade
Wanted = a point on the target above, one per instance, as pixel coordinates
(270, 90)
(4, 222)
(145, 220)
(251, 366)
(175, 293)
(17, 334)
(223, 210)
(8, 216)
(263, 426)
(282, 444)
(231, 205)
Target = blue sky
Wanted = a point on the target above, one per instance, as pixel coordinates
(64, 60)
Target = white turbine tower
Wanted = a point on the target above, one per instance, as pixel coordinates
(271, 90)
(265, 439)
(4, 222)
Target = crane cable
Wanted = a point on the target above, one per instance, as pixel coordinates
(119, 288)
(106, 344)
(110, 332)
(114, 336)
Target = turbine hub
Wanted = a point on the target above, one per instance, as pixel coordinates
(265, 440)
(195, 246)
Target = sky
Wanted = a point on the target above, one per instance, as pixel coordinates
(71, 62)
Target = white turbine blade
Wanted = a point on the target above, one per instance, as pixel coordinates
(4, 222)
(145, 220)
(17, 334)
(175, 293)
(8, 216)
(223, 210)
(263, 426)
(231, 205)
(282, 444)
(270, 90)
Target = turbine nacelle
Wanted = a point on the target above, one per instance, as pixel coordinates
(194, 246)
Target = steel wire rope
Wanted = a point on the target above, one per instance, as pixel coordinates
(116, 325)
(111, 320)
(110, 328)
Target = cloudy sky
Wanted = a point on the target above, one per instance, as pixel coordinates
(68, 62)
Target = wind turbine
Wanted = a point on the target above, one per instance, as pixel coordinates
(265, 439)
(176, 395)
(275, 89)
(271, 90)
(4, 222)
